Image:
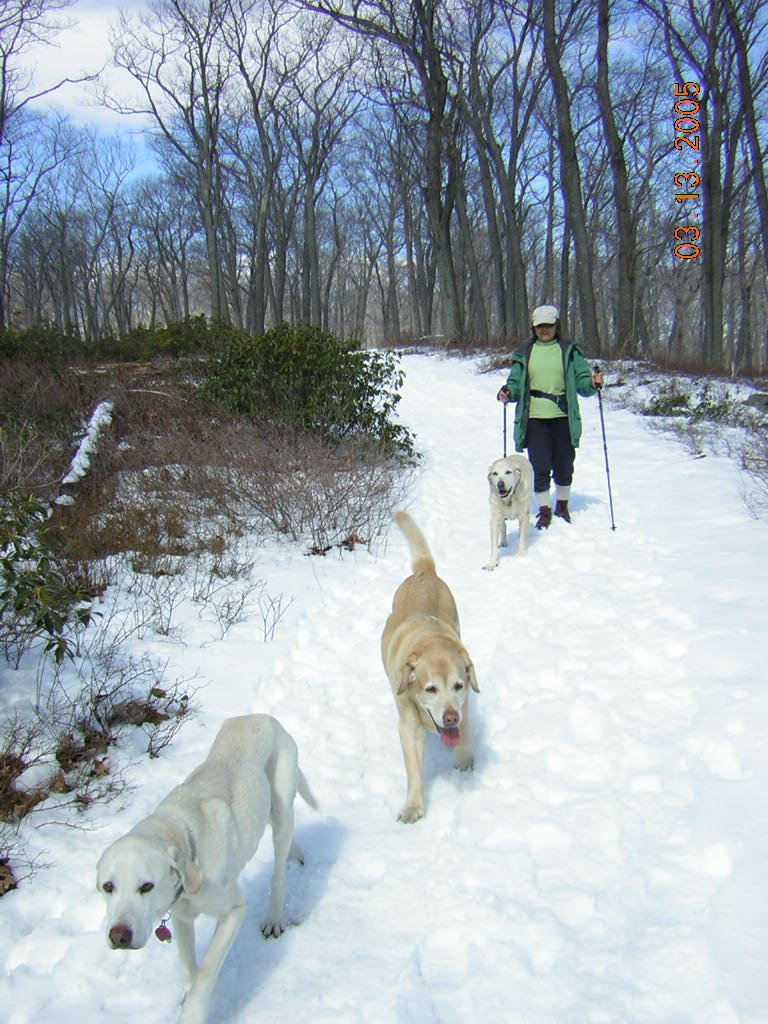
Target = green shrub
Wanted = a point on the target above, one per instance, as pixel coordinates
(713, 404)
(190, 337)
(45, 343)
(309, 380)
(669, 400)
(42, 342)
(37, 596)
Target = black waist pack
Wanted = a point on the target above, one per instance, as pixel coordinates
(559, 400)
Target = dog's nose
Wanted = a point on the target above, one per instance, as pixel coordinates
(120, 936)
(450, 718)
(500, 487)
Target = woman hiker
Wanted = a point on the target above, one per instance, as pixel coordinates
(547, 375)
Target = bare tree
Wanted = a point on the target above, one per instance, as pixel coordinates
(30, 145)
(473, 155)
(571, 175)
(320, 108)
(109, 266)
(695, 41)
(396, 199)
(504, 77)
(625, 225)
(746, 31)
(412, 47)
(166, 233)
(176, 56)
(253, 32)
(25, 24)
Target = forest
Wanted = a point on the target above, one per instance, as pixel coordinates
(388, 171)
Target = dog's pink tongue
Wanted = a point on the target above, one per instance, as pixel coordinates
(450, 737)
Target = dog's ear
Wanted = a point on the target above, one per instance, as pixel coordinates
(190, 874)
(406, 677)
(470, 670)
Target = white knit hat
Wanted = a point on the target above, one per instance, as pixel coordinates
(544, 315)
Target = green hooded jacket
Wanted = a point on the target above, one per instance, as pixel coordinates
(578, 381)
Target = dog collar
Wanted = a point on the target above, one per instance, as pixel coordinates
(163, 932)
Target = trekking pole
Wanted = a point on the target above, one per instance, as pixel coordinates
(505, 428)
(605, 446)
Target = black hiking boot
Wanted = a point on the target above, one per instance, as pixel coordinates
(544, 517)
(561, 509)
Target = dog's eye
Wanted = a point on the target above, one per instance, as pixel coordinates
(146, 887)
(431, 688)
(108, 887)
(458, 686)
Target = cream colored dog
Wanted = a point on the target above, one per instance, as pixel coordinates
(185, 858)
(510, 481)
(428, 667)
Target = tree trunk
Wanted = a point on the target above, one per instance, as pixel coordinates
(747, 92)
(624, 340)
(571, 182)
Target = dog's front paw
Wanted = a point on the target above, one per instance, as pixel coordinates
(273, 929)
(411, 813)
(490, 566)
(464, 763)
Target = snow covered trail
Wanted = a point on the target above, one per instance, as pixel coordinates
(605, 863)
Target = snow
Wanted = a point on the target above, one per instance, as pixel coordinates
(100, 419)
(605, 863)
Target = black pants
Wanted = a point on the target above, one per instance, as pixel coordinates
(550, 452)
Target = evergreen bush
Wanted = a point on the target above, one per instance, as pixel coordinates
(41, 342)
(307, 379)
(47, 343)
(191, 337)
(38, 597)
(669, 400)
(714, 404)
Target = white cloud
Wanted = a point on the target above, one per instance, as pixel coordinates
(80, 50)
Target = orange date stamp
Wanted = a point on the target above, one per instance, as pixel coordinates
(688, 144)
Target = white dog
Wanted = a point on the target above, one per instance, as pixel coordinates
(185, 858)
(428, 667)
(510, 481)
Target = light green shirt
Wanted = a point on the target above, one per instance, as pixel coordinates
(546, 373)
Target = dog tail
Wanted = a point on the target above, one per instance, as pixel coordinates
(421, 556)
(306, 793)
